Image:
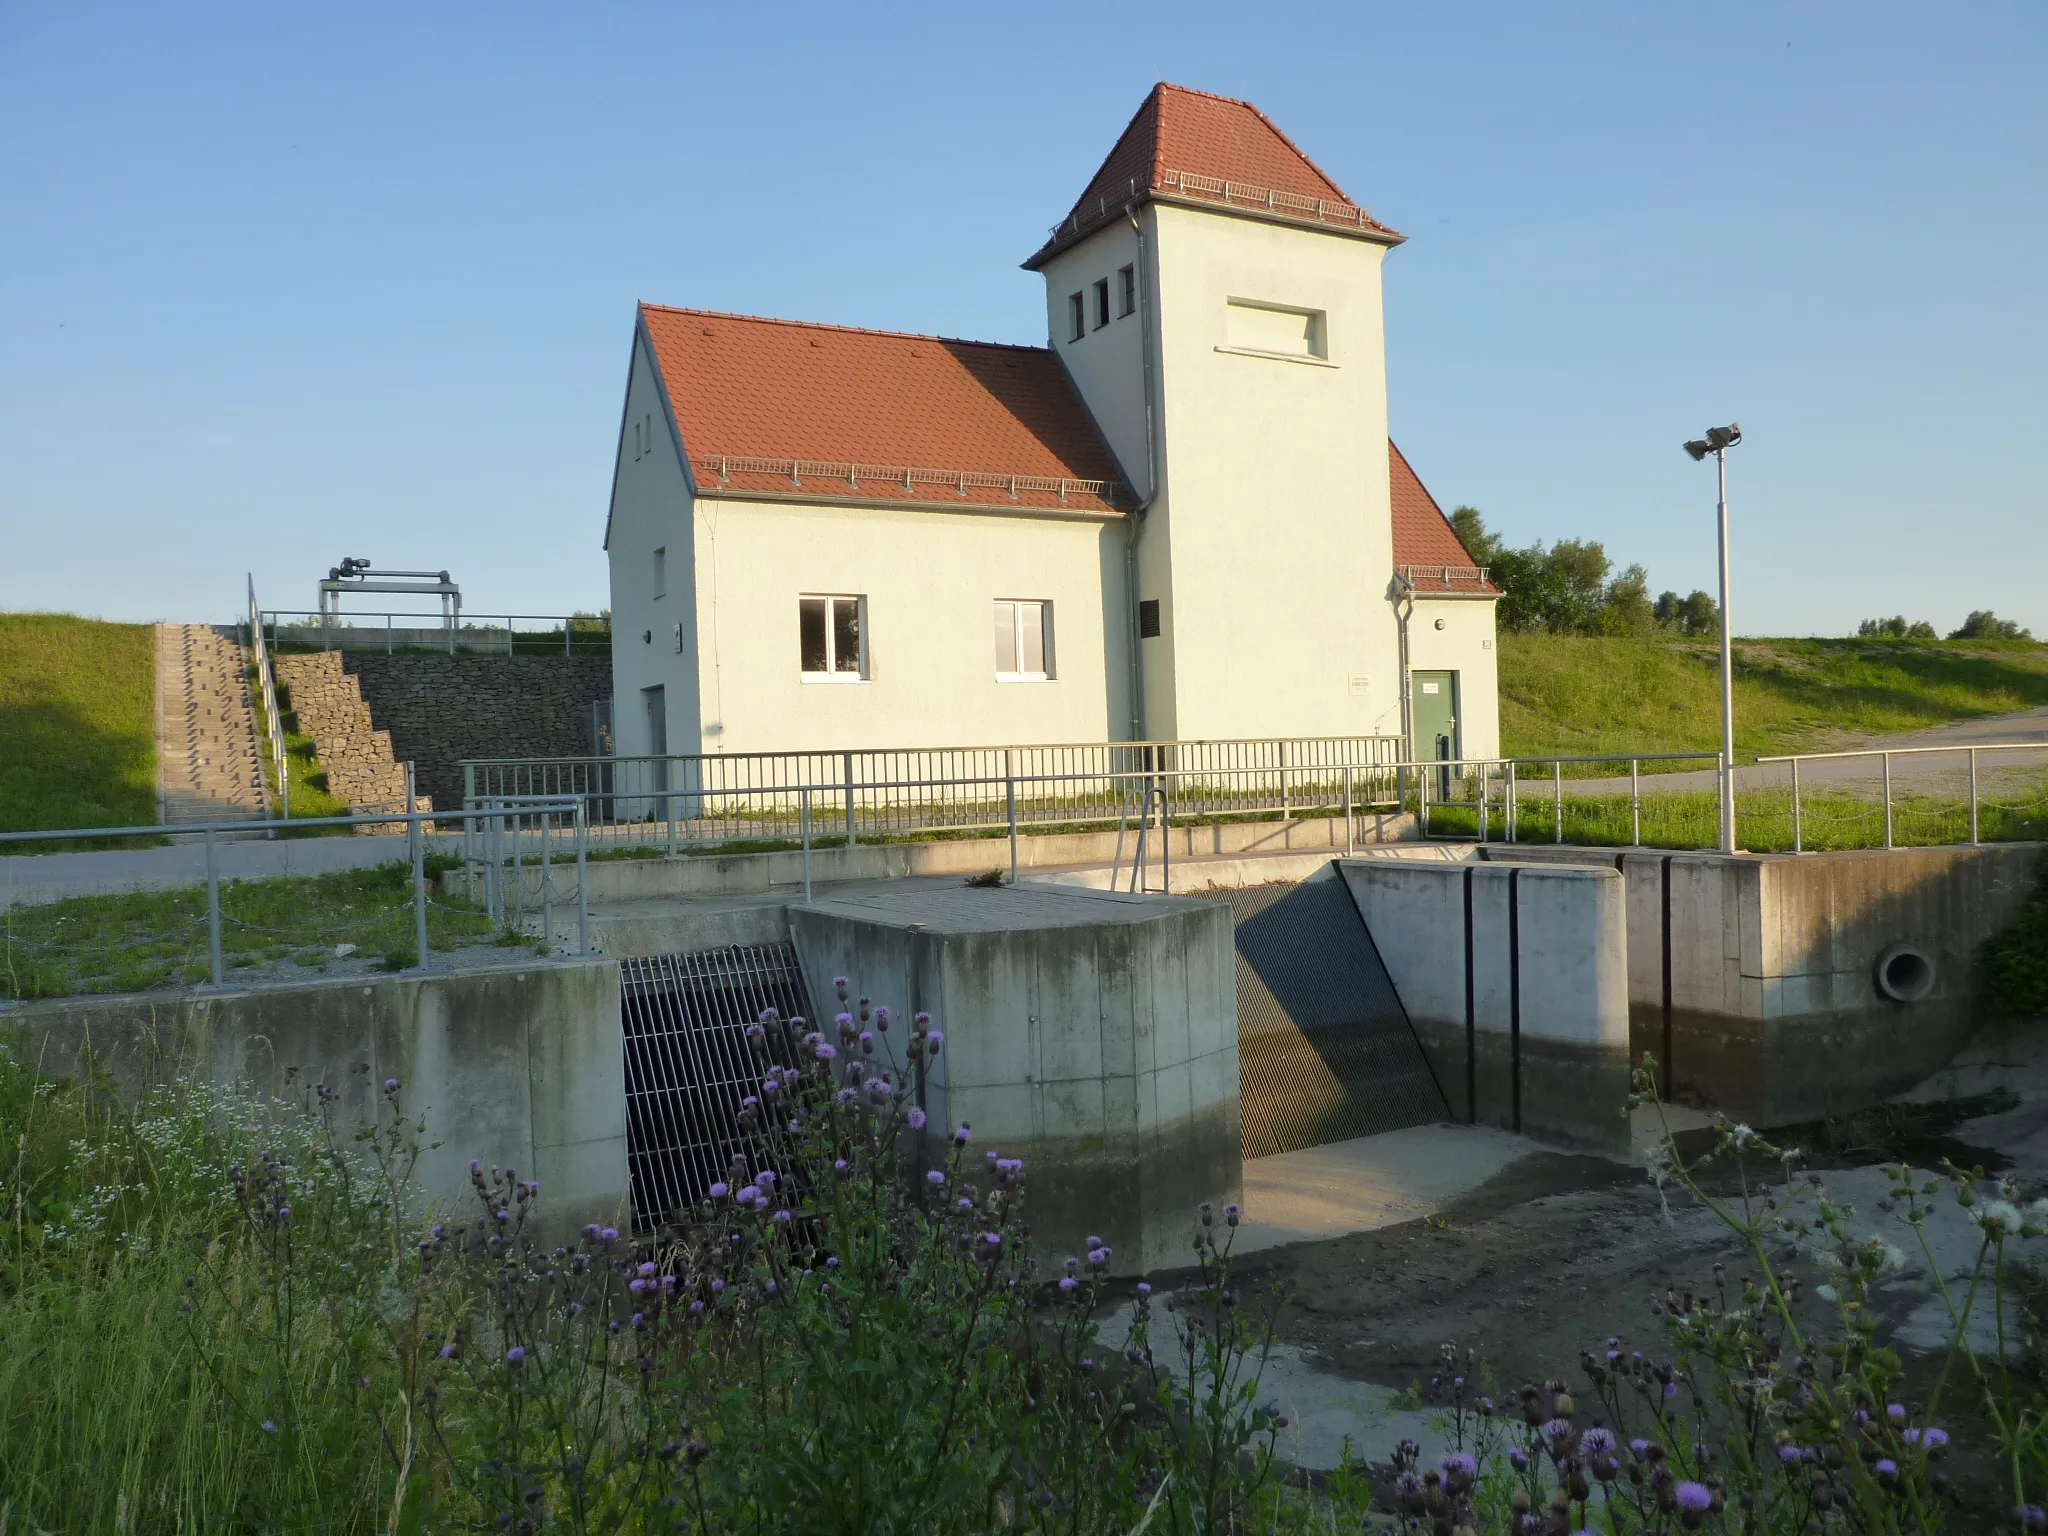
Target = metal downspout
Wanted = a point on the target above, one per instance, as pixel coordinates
(1137, 666)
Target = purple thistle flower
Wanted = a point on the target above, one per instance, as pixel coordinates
(915, 1119)
(1693, 1496)
(832, 1261)
(515, 1354)
(1557, 1431)
(826, 1050)
(1896, 1412)
(719, 1190)
(636, 1285)
(1518, 1458)
(1791, 1455)
(1230, 1214)
(1886, 1468)
(782, 1218)
(717, 1287)
(270, 1426)
(935, 1178)
(1458, 1464)
(1144, 1288)
(1069, 1284)
(610, 1234)
(882, 1018)
(1931, 1438)
(391, 1085)
(696, 1307)
(749, 1195)
(1596, 1442)
(961, 1135)
(839, 1165)
(934, 1040)
(879, 1090)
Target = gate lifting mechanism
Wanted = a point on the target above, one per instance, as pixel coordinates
(356, 576)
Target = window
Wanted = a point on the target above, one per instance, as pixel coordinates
(660, 571)
(832, 638)
(1101, 303)
(1127, 291)
(1076, 318)
(1023, 641)
(1252, 327)
(1148, 618)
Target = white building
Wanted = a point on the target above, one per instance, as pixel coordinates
(1181, 519)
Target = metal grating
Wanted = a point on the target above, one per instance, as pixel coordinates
(1325, 1050)
(688, 1064)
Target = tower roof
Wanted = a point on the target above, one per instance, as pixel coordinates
(1190, 146)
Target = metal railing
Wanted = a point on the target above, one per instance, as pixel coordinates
(1500, 791)
(723, 466)
(494, 829)
(1842, 795)
(707, 800)
(502, 633)
(267, 685)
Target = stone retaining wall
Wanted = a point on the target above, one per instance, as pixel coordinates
(439, 710)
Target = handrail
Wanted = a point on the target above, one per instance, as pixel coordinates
(583, 631)
(1961, 746)
(268, 682)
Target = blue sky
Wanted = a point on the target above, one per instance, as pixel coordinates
(284, 283)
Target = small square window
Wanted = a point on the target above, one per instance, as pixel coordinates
(1077, 318)
(1127, 291)
(1023, 631)
(1101, 303)
(831, 638)
(660, 571)
(1148, 618)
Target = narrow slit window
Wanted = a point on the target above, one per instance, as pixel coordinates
(1127, 291)
(1023, 634)
(1077, 318)
(830, 638)
(660, 571)
(1101, 303)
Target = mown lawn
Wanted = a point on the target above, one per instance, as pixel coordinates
(1561, 694)
(77, 727)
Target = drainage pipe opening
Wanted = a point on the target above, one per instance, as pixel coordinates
(1905, 974)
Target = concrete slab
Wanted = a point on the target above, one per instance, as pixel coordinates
(1375, 1181)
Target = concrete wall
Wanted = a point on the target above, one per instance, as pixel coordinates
(1546, 1051)
(442, 709)
(1774, 1011)
(1093, 1035)
(520, 1066)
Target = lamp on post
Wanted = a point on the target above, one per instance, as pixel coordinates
(1717, 442)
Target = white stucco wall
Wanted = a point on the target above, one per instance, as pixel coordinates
(1465, 645)
(931, 580)
(651, 510)
(1275, 514)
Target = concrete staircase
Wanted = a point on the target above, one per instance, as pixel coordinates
(209, 761)
(355, 755)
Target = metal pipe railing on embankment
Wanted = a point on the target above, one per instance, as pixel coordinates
(1837, 791)
(719, 799)
(503, 844)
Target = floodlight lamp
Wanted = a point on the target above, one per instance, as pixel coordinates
(1699, 448)
(1724, 437)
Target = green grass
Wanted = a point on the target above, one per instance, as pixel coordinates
(77, 727)
(1562, 694)
(140, 940)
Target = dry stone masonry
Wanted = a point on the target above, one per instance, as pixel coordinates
(441, 709)
(209, 767)
(354, 754)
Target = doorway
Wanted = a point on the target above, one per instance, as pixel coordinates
(1436, 723)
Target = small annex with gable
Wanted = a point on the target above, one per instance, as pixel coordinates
(1181, 518)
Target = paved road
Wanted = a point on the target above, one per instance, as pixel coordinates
(27, 878)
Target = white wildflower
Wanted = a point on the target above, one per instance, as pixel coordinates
(1827, 1293)
(1999, 1217)
(1741, 1134)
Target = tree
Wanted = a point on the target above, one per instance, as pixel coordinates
(1983, 624)
(1895, 628)
(1694, 614)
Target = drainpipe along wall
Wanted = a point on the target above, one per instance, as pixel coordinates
(1137, 522)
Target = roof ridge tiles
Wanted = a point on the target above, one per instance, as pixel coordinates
(850, 330)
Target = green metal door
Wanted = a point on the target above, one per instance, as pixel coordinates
(1436, 722)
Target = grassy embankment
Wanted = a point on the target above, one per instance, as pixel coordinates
(1561, 694)
(1576, 696)
(77, 726)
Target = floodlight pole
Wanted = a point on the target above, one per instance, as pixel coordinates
(1727, 667)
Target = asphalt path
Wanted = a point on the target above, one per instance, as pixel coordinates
(28, 878)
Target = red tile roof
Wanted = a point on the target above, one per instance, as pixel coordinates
(1191, 144)
(1426, 546)
(827, 411)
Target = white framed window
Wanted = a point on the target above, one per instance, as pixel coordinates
(658, 569)
(1023, 631)
(1077, 317)
(1127, 291)
(832, 638)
